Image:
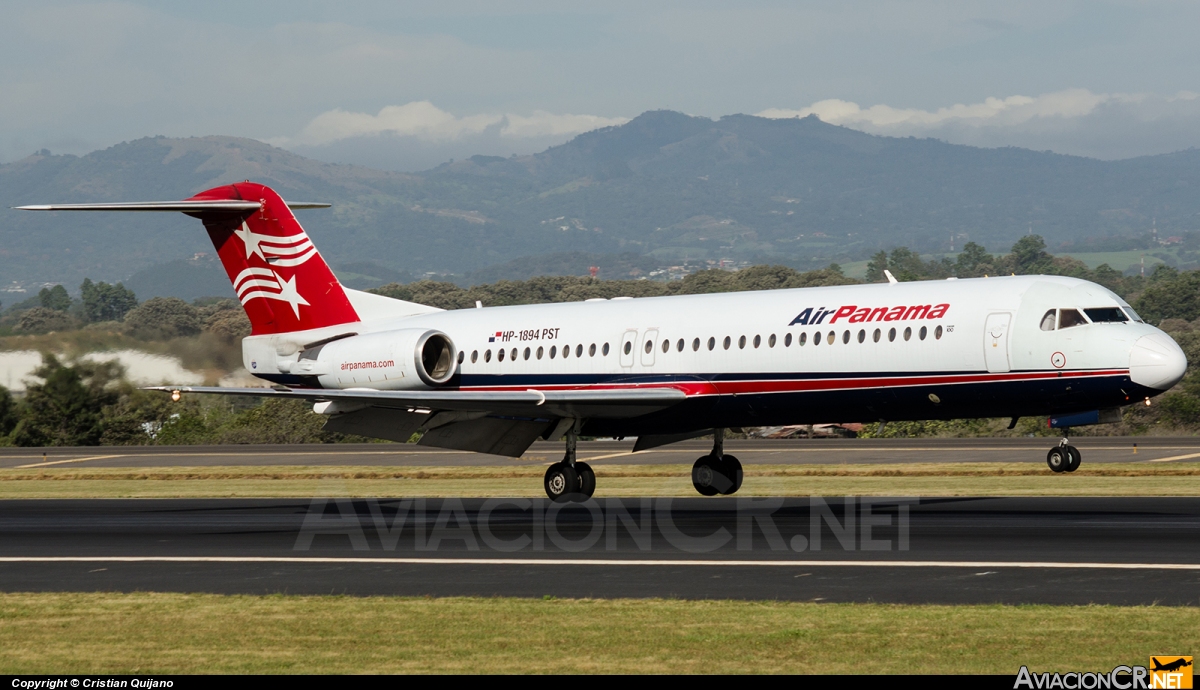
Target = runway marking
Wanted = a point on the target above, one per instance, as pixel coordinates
(977, 565)
(1177, 457)
(63, 462)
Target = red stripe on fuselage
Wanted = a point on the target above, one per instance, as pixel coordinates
(746, 387)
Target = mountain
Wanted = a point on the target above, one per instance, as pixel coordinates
(664, 188)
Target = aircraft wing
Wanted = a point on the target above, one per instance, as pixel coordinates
(612, 404)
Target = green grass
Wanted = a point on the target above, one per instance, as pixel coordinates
(916, 479)
(203, 633)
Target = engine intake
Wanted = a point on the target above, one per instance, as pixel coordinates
(436, 358)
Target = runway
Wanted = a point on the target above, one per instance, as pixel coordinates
(947, 550)
(754, 451)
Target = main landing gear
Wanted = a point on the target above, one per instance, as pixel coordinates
(568, 480)
(717, 473)
(1064, 457)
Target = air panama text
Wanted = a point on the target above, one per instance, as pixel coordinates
(379, 364)
(856, 314)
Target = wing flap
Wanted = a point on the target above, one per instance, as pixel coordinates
(614, 404)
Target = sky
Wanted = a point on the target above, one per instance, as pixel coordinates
(406, 86)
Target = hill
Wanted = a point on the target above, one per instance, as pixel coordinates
(663, 189)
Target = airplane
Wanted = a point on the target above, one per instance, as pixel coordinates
(665, 369)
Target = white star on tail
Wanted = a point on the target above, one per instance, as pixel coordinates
(251, 241)
(289, 294)
(267, 284)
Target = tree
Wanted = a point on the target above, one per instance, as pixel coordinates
(66, 408)
(104, 302)
(44, 320)
(163, 317)
(876, 266)
(55, 298)
(974, 261)
(1029, 256)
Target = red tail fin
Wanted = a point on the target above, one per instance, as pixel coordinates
(281, 280)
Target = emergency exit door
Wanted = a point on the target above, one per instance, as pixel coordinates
(995, 342)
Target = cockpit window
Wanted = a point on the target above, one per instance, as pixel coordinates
(1070, 317)
(1106, 315)
(1048, 320)
(1133, 314)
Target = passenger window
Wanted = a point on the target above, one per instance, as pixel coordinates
(803, 338)
(667, 345)
(726, 342)
(787, 340)
(833, 336)
(499, 355)
(877, 335)
(513, 354)
(604, 350)
(649, 346)
(487, 355)
(579, 350)
(907, 333)
(862, 335)
(1106, 315)
(592, 350)
(679, 345)
(845, 337)
(474, 356)
(816, 338)
(712, 342)
(526, 353)
(771, 341)
(461, 354)
(566, 351)
(540, 352)
(628, 347)
(757, 340)
(742, 343)
(696, 345)
(1070, 317)
(1048, 320)
(891, 334)
(937, 333)
(924, 332)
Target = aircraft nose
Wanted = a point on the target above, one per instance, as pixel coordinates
(1156, 362)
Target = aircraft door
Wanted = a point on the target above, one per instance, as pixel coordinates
(995, 342)
(649, 343)
(629, 343)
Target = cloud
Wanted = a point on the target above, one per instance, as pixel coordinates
(1073, 121)
(1012, 110)
(426, 122)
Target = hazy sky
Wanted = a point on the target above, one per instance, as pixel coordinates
(408, 85)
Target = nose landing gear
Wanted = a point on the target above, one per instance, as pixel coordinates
(717, 473)
(1064, 457)
(568, 480)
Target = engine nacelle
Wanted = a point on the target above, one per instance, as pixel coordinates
(410, 358)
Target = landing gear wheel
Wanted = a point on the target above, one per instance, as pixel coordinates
(1073, 458)
(561, 482)
(731, 468)
(706, 476)
(1057, 459)
(587, 481)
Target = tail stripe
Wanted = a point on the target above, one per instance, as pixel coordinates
(294, 261)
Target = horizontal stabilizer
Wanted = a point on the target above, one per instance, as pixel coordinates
(200, 206)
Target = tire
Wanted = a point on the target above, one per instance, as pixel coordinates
(561, 482)
(705, 475)
(587, 481)
(731, 468)
(1057, 459)
(1074, 458)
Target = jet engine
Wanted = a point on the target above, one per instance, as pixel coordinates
(406, 359)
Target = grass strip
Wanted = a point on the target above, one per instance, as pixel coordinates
(202, 633)
(918, 479)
